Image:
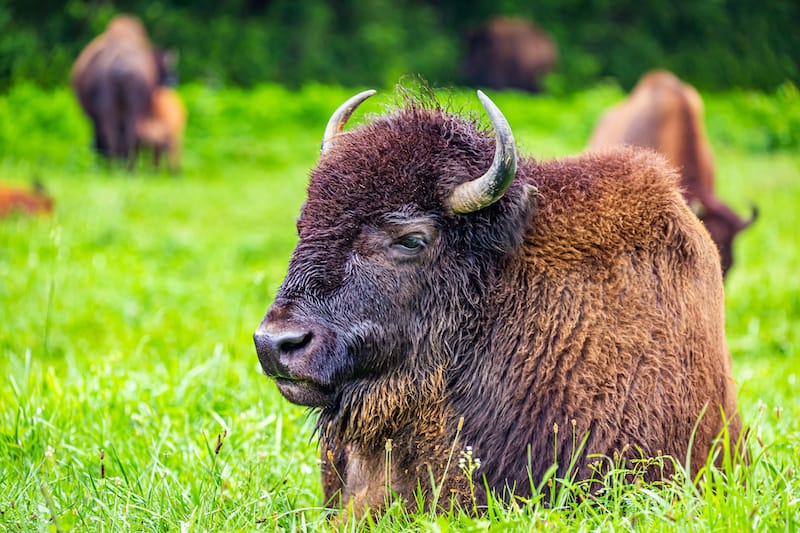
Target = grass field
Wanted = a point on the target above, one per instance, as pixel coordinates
(131, 396)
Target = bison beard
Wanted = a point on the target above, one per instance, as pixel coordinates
(580, 292)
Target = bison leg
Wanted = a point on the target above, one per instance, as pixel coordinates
(129, 143)
(109, 130)
(100, 140)
(105, 118)
(133, 101)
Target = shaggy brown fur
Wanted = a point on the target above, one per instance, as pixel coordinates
(162, 129)
(114, 78)
(31, 202)
(588, 296)
(509, 53)
(666, 115)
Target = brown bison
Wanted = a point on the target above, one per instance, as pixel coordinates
(162, 129)
(445, 293)
(666, 115)
(28, 201)
(114, 78)
(509, 53)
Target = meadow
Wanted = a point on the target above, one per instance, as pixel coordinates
(132, 398)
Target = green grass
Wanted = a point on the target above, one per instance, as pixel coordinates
(132, 397)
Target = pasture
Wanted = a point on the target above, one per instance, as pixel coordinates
(132, 398)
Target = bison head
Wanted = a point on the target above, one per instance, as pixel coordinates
(723, 225)
(405, 223)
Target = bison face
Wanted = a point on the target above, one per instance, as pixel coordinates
(723, 226)
(345, 308)
(389, 267)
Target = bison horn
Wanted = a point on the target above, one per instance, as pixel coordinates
(340, 117)
(481, 192)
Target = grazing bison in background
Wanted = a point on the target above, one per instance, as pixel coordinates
(433, 302)
(162, 129)
(666, 115)
(509, 53)
(28, 201)
(114, 78)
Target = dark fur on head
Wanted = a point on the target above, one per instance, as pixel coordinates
(587, 293)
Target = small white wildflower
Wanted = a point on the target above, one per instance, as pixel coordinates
(49, 452)
(467, 463)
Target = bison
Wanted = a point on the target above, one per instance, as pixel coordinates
(509, 53)
(114, 78)
(162, 129)
(445, 292)
(17, 199)
(665, 114)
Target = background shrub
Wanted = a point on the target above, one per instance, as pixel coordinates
(712, 44)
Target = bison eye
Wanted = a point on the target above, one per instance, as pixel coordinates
(410, 245)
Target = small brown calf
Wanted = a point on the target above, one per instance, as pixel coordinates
(162, 129)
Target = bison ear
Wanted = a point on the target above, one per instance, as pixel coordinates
(525, 206)
(510, 225)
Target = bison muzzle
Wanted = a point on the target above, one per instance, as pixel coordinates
(446, 293)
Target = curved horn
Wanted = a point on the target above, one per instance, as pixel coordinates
(340, 117)
(481, 192)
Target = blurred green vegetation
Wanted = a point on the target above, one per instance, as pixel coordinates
(42, 127)
(714, 44)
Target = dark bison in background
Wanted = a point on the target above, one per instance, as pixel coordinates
(509, 53)
(114, 78)
(445, 293)
(665, 114)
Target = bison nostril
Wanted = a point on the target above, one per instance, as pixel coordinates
(284, 342)
(289, 342)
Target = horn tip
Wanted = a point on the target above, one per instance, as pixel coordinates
(341, 116)
(363, 95)
(490, 107)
